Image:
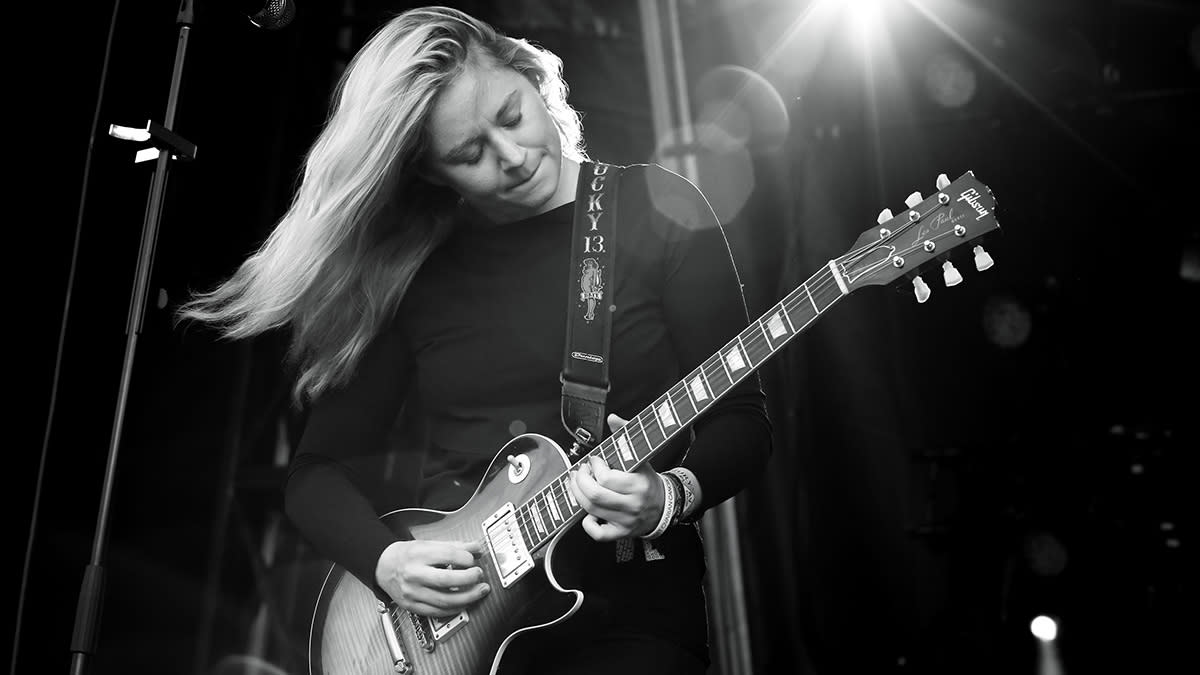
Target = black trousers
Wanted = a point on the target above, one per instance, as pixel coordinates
(645, 615)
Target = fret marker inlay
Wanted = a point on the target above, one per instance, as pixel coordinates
(698, 391)
(625, 449)
(775, 325)
(665, 415)
(734, 358)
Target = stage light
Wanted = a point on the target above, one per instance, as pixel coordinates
(949, 80)
(1007, 322)
(1044, 628)
(1044, 553)
(865, 16)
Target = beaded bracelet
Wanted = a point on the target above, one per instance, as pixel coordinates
(668, 512)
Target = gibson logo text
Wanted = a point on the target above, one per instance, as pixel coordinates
(971, 197)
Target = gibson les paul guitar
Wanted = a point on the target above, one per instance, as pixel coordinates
(522, 507)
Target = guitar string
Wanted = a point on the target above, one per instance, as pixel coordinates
(757, 352)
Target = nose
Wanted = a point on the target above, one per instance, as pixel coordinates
(510, 153)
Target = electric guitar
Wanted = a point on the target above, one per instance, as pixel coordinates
(522, 508)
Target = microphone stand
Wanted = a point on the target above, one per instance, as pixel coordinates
(166, 145)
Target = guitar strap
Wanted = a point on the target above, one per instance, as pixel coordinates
(591, 284)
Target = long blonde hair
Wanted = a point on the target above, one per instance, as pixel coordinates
(362, 222)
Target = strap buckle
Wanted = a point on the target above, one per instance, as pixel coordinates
(583, 440)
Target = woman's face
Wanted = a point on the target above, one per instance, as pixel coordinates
(492, 141)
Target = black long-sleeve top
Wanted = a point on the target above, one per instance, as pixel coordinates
(477, 344)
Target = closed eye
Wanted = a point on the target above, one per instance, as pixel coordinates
(467, 155)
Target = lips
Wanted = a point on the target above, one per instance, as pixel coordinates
(527, 178)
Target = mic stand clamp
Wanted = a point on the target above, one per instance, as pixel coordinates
(160, 137)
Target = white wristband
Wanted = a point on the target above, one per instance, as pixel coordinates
(668, 511)
(691, 489)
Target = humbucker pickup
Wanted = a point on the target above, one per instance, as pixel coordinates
(510, 554)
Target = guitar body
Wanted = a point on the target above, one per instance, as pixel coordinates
(348, 635)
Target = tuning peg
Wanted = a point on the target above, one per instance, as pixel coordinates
(942, 181)
(951, 275)
(921, 289)
(884, 216)
(913, 200)
(982, 259)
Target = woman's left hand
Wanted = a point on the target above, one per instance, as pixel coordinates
(618, 504)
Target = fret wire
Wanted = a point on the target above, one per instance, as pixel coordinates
(525, 525)
(654, 411)
(687, 388)
(536, 514)
(600, 452)
(699, 405)
(644, 427)
(548, 499)
(645, 435)
(633, 443)
(796, 305)
(742, 348)
(616, 437)
(763, 328)
(552, 501)
(784, 312)
(712, 394)
(810, 298)
(721, 360)
(616, 453)
(753, 337)
(657, 425)
(718, 367)
(813, 302)
(674, 409)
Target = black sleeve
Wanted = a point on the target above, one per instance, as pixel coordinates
(323, 497)
(704, 309)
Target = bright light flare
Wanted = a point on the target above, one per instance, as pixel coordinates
(865, 17)
(1044, 628)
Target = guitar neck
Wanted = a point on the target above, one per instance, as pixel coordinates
(552, 510)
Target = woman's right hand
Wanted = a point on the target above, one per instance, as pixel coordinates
(432, 578)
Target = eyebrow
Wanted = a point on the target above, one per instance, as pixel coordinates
(460, 149)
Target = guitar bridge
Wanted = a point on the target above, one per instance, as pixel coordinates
(420, 630)
(510, 553)
(400, 662)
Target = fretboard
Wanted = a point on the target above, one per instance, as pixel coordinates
(552, 509)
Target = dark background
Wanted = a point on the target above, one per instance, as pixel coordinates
(931, 489)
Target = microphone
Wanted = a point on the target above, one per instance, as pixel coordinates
(269, 14)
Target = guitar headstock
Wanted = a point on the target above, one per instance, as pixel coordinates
(925, 233)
